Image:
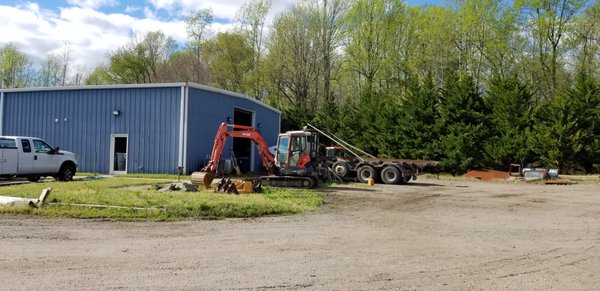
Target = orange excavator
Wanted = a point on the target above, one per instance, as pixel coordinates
(294, 165)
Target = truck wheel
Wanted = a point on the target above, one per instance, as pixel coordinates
(33, 178)
(340, 168)
(391, 175)
(405, 180)
(364, 173)
(66, 173)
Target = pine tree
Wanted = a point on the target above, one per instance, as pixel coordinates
(462, 124)
(511, 105)
(565, 131)
(417, 127)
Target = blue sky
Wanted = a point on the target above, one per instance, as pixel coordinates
(91, 28)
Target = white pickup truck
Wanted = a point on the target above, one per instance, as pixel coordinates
(33, 158)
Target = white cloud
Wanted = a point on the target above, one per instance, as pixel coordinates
(132, 9)
(93, 3)
(91, 33)
(164, 4)
(223, 9)
(148, 13)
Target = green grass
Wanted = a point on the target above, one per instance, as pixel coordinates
(156, 176)
(146, 176)
(157, 206)
(582, 179)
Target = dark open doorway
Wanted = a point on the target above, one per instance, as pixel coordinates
(242, 147)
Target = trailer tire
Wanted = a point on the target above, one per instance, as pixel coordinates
(364, 173)
(340, 168)
(391, 175)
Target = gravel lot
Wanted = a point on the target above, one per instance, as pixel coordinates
(430, 234)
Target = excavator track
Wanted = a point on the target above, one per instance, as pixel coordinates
(288, 181)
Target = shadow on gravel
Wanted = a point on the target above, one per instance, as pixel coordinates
(337, 188)
(423, 184)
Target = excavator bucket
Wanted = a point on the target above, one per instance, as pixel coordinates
(203, 178)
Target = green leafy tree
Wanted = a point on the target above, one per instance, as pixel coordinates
(587, 41)
(430, 48)
(368, 25)
(197, 25)
(229, 58)
(484, 31)
(183, 66)
(15, 67)
(550, 23)
(140, 61)
(327, 20)
(251, 19)
(50, 71)
(292, 62)
(98, 76)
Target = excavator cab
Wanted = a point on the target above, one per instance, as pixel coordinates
(296, 148)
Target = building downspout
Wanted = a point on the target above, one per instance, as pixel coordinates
(180, 162)
(185, 127)
(2, 113)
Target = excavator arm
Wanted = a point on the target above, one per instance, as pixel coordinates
(207, 174)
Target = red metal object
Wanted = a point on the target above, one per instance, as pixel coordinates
(487, 174)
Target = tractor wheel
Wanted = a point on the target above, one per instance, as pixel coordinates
(364, 173)
(391, 175)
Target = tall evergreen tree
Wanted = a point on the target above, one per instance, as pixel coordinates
(416, 127)
(559, 134)
(463, 125)
(511, 104)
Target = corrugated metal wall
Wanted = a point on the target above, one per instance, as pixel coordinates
(208, 109)
(81, 121)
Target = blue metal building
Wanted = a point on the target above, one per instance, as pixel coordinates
(149, 128)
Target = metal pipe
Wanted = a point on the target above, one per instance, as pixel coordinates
(343, 143)
(182, 110)
(1, 112)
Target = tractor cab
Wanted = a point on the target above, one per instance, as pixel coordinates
(336, 152)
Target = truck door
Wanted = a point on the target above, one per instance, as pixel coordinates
(25, 157)
(9, 156)
(44, 159)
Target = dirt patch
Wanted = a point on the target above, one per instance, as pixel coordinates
(429, 235)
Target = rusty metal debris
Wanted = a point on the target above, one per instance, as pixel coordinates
(230, 186)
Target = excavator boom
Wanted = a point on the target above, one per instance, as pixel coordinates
(207, 174)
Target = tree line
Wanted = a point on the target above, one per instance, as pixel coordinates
(474, 83)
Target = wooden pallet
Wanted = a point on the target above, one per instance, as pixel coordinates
(557, 182)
